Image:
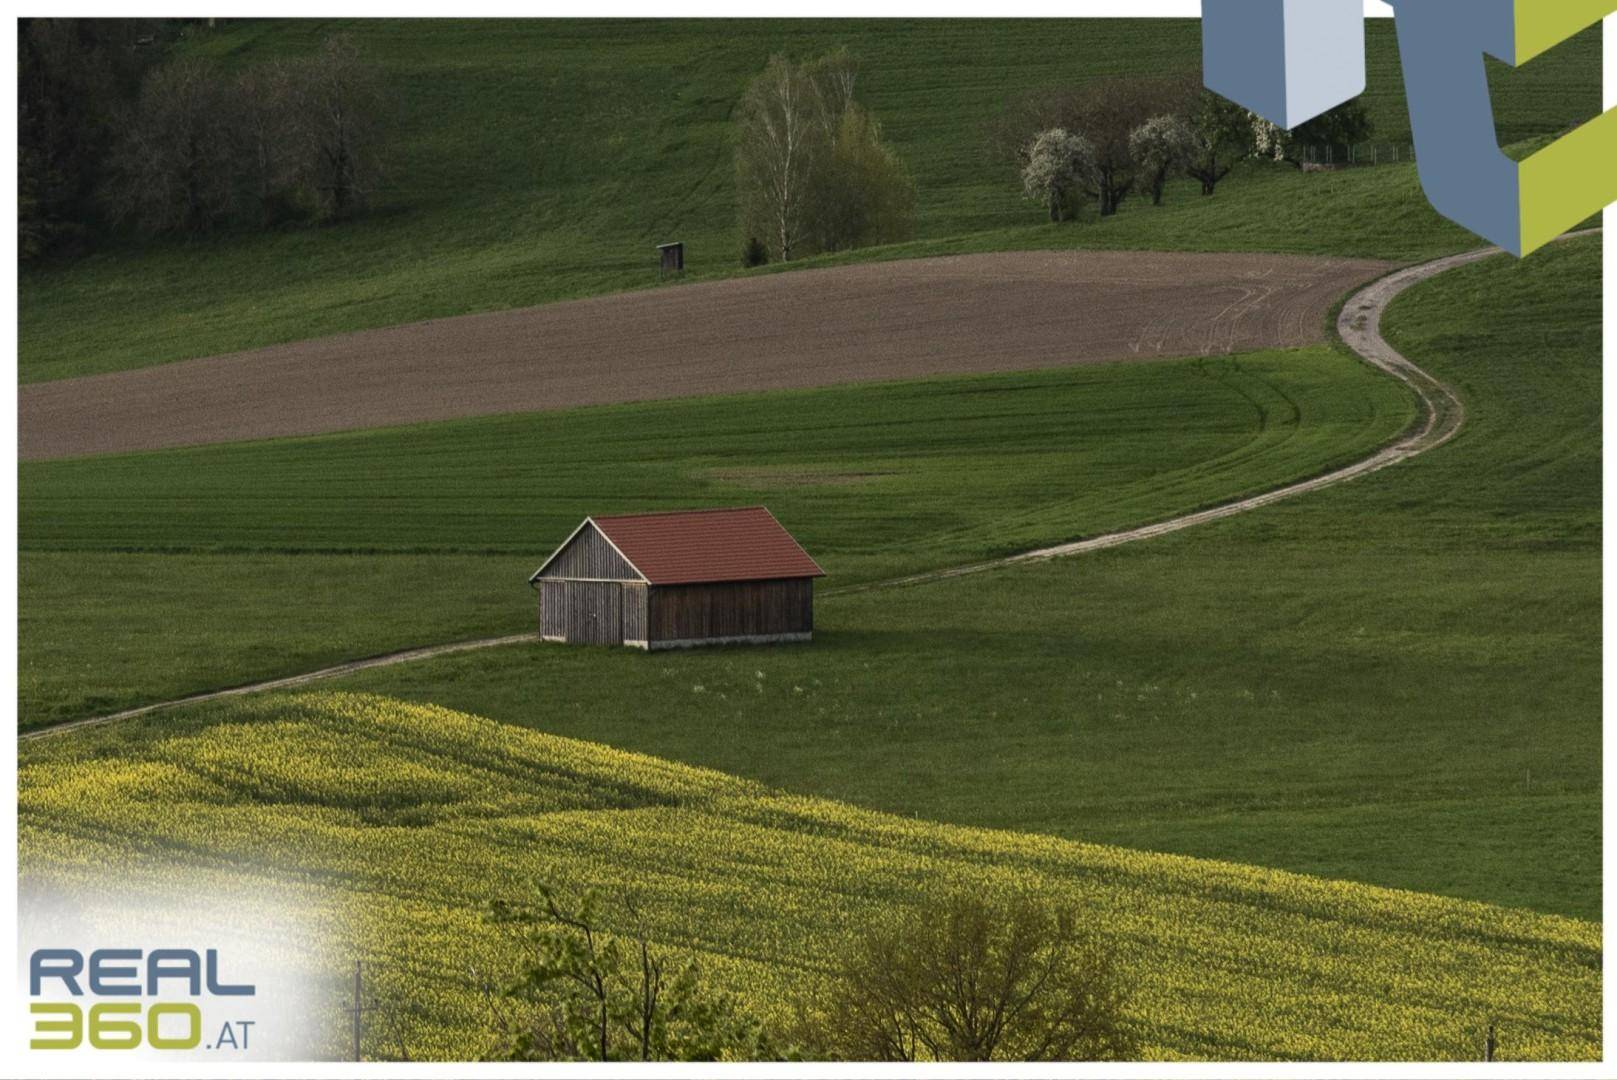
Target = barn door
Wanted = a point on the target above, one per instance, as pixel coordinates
(603, 613)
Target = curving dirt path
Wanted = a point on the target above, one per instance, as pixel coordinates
(874, 321)
(403, 656)
(1360, 328)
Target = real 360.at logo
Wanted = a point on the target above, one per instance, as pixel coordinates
(125, 999)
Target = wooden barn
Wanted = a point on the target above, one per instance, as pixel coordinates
(676, 580)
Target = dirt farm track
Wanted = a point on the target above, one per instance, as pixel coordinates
(876, 321)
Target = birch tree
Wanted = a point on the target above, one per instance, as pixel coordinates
(783, 144)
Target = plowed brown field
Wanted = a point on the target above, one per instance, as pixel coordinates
(876, 321)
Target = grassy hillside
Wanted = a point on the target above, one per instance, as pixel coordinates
(1396, 681)
(413, 818)
(877, 481)
(539, 160)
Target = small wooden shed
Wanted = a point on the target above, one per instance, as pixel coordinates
(676, 580)
(671, 258)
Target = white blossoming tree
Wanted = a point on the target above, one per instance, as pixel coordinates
(1269, 138)
(1058, 164)
(1160, 146)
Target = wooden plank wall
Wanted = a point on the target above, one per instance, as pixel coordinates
(635, 606)
(590, 556)
(731, 609)
(553, 609)
(595, 612)
(591, 612)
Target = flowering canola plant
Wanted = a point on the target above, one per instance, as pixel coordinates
(401, 822)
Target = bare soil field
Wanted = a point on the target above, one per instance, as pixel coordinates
(877, 321)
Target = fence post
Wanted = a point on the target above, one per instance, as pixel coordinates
(358, 997)
(1491, 1047)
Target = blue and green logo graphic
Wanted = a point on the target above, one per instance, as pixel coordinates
(1291, 60)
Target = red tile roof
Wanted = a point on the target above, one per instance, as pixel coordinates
(690, 546)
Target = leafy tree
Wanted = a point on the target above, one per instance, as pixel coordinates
(1160, 146)
(1108, 113)
(781, 151)
(1345, 125)
(974, 979)
(1223, 135)
(1058, 165)
(866, 195)
(835, 78)
(587, 994)
(811, 170)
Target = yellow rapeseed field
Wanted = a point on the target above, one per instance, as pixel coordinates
(407, 820)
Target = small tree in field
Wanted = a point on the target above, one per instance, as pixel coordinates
(585, 993)
(1222, 135)
(974, 979)
(267, 123)
(339, 104)
(1161, 146)
(1058, 165)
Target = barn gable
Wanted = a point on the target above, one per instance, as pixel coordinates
(588, 555)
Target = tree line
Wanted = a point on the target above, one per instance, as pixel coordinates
(1111, 138)
(279, 141)
(115, 133)
(962, 977)
(76, 79)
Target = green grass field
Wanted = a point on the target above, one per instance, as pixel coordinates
(1339, 685)
(1396, 681)
(408, 820)
(540, 160)
(258, 574)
